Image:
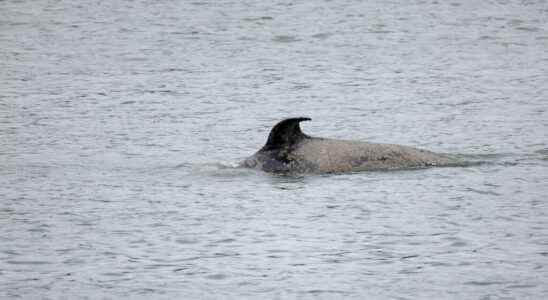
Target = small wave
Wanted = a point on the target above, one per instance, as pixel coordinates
(285, 39)
(500, 159)
(220, 169)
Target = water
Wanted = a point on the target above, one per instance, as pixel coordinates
(121, 122)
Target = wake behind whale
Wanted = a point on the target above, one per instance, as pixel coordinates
(289, 150)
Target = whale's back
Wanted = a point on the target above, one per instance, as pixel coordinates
(331, 155)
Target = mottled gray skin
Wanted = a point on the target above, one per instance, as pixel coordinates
(288, 150)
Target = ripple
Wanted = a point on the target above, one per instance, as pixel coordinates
(217, 276)
(263, 18)
(322, 36)
(482, 192)
(529, 29)
(28, 262)
(521, 286)
(285, 39)
(228, 240)
(485, 283)
(326, 291)
(186, 241)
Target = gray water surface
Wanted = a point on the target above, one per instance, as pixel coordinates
(121, 123)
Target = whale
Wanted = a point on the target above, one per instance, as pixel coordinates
(289, 150)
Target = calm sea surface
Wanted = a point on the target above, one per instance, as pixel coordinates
(121, 123)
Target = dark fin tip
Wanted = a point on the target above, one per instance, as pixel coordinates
(299, 119)
(285, 134)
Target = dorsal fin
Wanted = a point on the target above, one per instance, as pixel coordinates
(285, 133)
